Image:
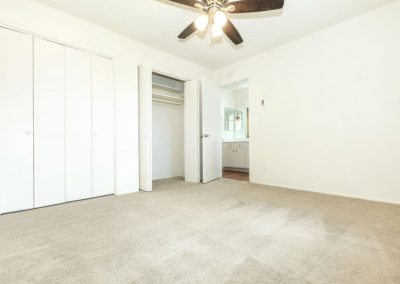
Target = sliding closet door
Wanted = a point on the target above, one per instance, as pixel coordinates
(16, 121)
(103, 125)
(49, 123)
(78, 124)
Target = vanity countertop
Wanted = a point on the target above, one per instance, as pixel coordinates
(236, 141)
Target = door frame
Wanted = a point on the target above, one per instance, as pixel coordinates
(249, 116)
(148, 144)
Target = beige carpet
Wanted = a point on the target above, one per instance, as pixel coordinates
(223, 232)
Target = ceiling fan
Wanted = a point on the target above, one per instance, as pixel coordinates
(216, 14)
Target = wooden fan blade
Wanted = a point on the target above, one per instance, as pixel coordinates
(250, 6)
(186, 2)
(188, 31)
(231, 32)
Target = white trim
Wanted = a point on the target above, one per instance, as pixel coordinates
(355, 196)
(157, 71)
(115, 128)
(5, 26)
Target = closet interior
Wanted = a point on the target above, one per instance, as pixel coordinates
(167, 127)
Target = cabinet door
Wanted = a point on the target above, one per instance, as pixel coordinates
(78, 124)
(237, 158)
(16, 121)
(49, 123)
(103, 125)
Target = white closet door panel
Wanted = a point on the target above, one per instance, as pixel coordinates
(78, 124)
(49, 123)
(103, 125)
(16, 121)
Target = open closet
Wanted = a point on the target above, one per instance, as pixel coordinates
(179, 128)
(168, 127)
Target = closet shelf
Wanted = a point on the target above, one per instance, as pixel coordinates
(167, 96)
(167, 102)
(166, 88)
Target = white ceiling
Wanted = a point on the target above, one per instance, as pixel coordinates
(158, 22)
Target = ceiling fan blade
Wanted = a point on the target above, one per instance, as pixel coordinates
(188, 31)
(250, 6)
(231, 32)
(186, 2)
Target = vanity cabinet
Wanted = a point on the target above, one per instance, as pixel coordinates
(235, 155)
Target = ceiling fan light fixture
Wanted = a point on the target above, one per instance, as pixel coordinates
(216, 31)
(201, 22)
(220, 19)
(218, 15)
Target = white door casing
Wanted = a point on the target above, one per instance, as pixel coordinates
(192, 131)
(145, 128)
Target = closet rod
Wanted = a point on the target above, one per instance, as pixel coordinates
(167, 102)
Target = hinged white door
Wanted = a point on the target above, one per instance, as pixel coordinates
(211, 95)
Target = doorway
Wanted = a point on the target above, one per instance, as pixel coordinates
(235, 132)
(168, 128)
(202, 135)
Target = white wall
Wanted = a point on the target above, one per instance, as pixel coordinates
(168, 136)
(241, 98)
(128, 54)
(228, 100)
(332, 117)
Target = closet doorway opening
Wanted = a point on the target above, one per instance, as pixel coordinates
(235, 131)
(169, 128)
(168, 98)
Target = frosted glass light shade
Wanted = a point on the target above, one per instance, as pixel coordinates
(216, 31)
(201, 22)
(220, 19)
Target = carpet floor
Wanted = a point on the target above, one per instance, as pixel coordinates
(223, 232)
